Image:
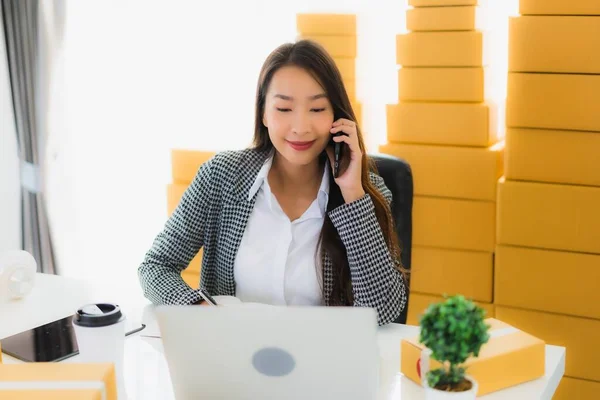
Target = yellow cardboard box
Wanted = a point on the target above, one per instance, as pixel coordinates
(578, 335)
(174, 193)
(350, 89)
(442, 84)
(558, 44)
(559, 7)
(572, 388)
(462, 18)
(454, 224)
(185, 164)
(357, 108)
(446, 271)
(508, 349)
(347, 67)
(523, 276)
(336, 45)
(440, 49)
(549, 216)
(418, 303)
(553, 156)
(553, 101)
(326, 24)
(448, 171)
(429, 3)
(64, 381)
(457, 124)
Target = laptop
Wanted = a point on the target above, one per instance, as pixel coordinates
(296, 353)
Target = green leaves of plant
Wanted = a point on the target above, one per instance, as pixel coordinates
(453, 330)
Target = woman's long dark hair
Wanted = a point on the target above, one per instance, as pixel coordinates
(313, 58)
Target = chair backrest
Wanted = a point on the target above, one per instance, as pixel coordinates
(397, 175)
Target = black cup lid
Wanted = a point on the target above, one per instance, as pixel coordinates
(97, 315)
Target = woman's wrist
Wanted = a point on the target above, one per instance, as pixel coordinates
(353, 195)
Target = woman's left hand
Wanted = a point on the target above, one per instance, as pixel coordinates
(349, 181)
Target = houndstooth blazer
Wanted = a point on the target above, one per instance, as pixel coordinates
(213, 214)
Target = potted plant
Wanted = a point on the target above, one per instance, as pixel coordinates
(452, 331)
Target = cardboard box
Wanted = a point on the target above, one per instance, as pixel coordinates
(508, 349)
(192, 278)
(559, 7)
(578, 335)
(185, 164)
(456, 124)
(444, 271)
(0, 352)
(418, 303)
(174, 193)
(448, 171)
(440, 49)
(442, 84)
(336, 45)
(523, 276)
(350, 89)
(553, 156)
(559, 44)
(347, 67)
(553, 101)
(462, 18)
(549, 216)
(454, 224)
(64, 381)
(572, 388)
(326, 24)
(429, 3)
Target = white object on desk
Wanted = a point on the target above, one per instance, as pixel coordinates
(295, 353)
(17, 274)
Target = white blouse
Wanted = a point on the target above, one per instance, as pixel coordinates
(276, 261)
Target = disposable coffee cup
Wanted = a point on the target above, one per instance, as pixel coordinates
(100, 332)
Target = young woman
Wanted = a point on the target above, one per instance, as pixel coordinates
(276, 225)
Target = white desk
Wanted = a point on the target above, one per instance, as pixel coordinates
(146, 371)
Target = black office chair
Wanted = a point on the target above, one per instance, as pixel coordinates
(398, 177)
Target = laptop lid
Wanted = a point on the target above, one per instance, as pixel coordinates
(239, 352)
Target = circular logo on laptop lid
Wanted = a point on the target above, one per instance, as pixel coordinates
(272, 361)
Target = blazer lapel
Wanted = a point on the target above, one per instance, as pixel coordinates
(237, 210)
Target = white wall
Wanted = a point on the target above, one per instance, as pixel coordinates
(10, 198)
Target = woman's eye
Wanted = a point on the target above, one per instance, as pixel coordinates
(317, 109)
(284, 109)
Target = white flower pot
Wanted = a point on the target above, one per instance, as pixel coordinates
(434, 394)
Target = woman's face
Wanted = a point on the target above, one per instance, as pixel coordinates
(298, 115)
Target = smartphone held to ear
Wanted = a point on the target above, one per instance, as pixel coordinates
(337, 154)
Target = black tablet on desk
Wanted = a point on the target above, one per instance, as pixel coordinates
(55, 341)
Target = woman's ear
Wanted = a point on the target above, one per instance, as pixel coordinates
(264, 121)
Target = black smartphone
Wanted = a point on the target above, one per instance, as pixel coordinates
(52, 342)
(337, 154)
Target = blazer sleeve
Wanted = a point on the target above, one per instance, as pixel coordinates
(177, 244)
(376, 281)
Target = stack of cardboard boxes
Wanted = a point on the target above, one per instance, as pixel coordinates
(337, 34)
(444, 127)
(547, 272)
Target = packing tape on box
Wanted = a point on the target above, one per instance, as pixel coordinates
(17, 274)
(426, 353)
